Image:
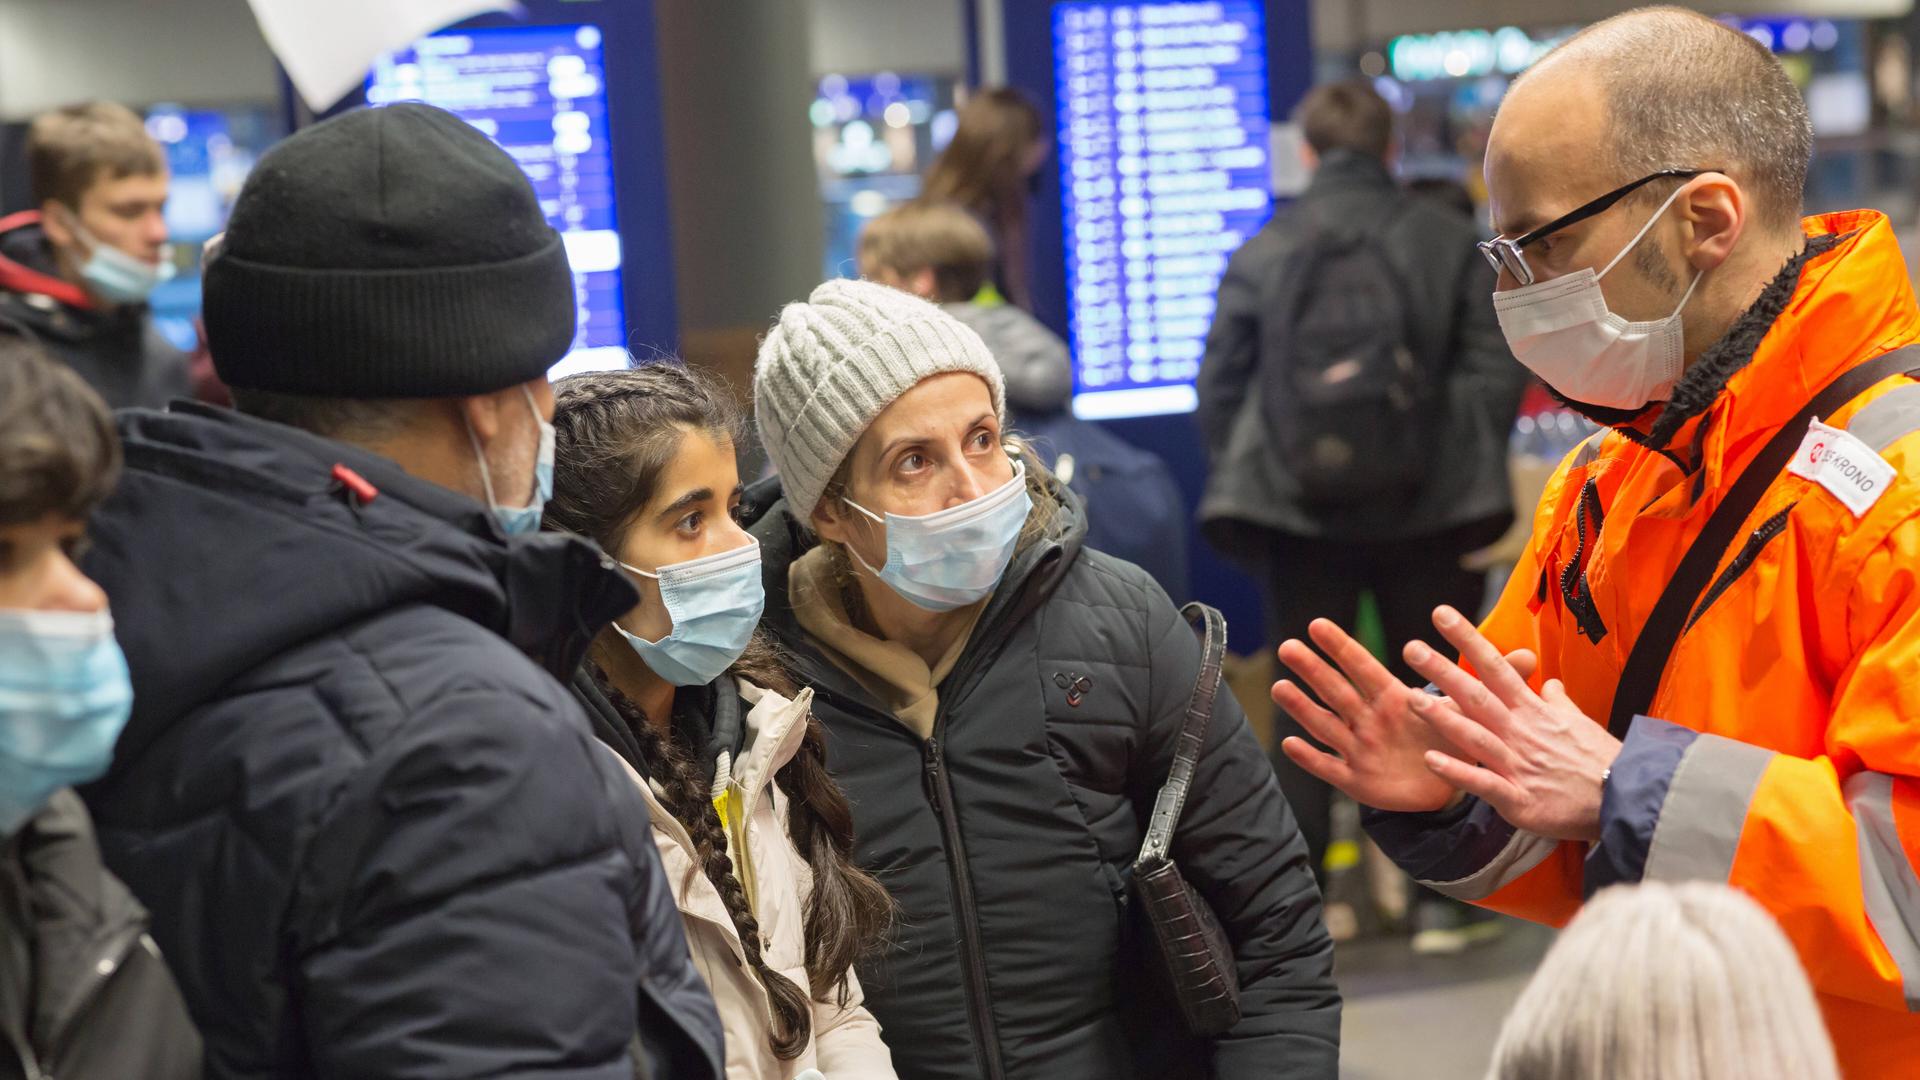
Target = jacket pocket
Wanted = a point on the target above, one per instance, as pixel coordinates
(1749, 554)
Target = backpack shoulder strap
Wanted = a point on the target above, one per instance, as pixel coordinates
(1640, 678)
(1193, 733)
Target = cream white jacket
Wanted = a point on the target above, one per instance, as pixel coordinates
(846, 1041)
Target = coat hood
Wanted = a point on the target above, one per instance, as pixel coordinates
(231, 540)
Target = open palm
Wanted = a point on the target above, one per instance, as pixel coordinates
(1379, 741)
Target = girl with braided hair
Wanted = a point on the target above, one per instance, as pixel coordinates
(754, 834)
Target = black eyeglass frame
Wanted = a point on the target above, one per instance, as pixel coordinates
(1504, 254)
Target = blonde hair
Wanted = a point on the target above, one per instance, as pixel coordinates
(75, 147)
(1667, 982)
(930, 236)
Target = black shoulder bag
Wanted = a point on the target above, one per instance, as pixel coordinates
(1188, 947)
(1674, 611)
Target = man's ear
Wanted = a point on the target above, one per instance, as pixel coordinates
(921, 283)
(484, 414)
(56, 220)
(1715, 211)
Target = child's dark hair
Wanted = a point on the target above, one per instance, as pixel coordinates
(615, 433)
(58, 451)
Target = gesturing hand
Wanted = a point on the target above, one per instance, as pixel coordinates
(1541, 759)
(1370, 722)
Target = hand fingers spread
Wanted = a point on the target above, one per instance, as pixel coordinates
(1464, 692)
(1524, 662)
(1479, 653)
(1365, 670)
(1318, 762)
(1319, 723)
(1491, 789)
(1332, 687)
(1475, 741)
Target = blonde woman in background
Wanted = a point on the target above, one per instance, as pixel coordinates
(1667, 982)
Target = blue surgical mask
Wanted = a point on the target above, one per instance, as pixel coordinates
(519, 520)
(117, 276)
(64, 696)
(715, 604)
(955, 557)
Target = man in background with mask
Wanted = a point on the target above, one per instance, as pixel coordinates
(77, 272)
(356, 795)
(1713, 638)
(83, 991)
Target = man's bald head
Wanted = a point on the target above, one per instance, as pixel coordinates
(1679, 90)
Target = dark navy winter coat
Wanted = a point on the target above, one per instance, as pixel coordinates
(374, 831)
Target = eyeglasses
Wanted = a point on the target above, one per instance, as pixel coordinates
(1504, 255)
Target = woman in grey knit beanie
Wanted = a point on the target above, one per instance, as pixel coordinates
(1001, 706)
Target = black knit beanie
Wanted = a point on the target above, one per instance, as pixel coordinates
(387, 253)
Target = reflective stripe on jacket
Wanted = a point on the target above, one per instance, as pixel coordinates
(1786, 756)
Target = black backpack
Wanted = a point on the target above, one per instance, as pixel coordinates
(1349, 406)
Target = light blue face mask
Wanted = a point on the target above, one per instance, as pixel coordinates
(954, 557)
(64, 696)
(117, 276)
(520, 520)
(715, 604)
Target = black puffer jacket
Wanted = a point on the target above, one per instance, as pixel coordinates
(1008, 837)
(84, 994)
(374, 829)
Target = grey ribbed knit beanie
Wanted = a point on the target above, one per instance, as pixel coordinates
(836, 361)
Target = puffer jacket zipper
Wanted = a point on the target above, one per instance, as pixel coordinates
(938, 789)
(111, 954)
(960, 881)
(940, 799)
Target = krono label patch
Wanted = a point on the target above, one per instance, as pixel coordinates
(1845, 466)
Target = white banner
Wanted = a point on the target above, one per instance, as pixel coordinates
(327, 46)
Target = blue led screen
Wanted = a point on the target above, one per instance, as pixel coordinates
(541, 93)
(1164, 170)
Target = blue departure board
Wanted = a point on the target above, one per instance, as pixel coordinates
(541, 93)
(1164, 172)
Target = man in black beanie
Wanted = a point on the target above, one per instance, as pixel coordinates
(375, 833)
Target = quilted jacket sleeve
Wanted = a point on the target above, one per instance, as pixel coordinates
(1238, 844)
(471, 904)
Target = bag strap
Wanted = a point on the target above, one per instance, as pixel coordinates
(1193, 733)
(1640, 678)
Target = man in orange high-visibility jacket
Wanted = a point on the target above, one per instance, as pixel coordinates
(1696, 315)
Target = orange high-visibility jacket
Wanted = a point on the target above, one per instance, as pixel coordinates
(1785, 757)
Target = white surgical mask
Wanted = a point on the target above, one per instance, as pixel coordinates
(954, 557)
(1562, 331)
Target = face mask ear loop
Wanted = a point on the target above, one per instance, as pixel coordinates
(1688, 295)
(1641, 235)
(486, 474)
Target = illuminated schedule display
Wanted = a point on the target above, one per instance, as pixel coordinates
(540, 93)
(1164, 169)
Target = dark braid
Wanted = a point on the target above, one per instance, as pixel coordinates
(820, 823)
(689, 801)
